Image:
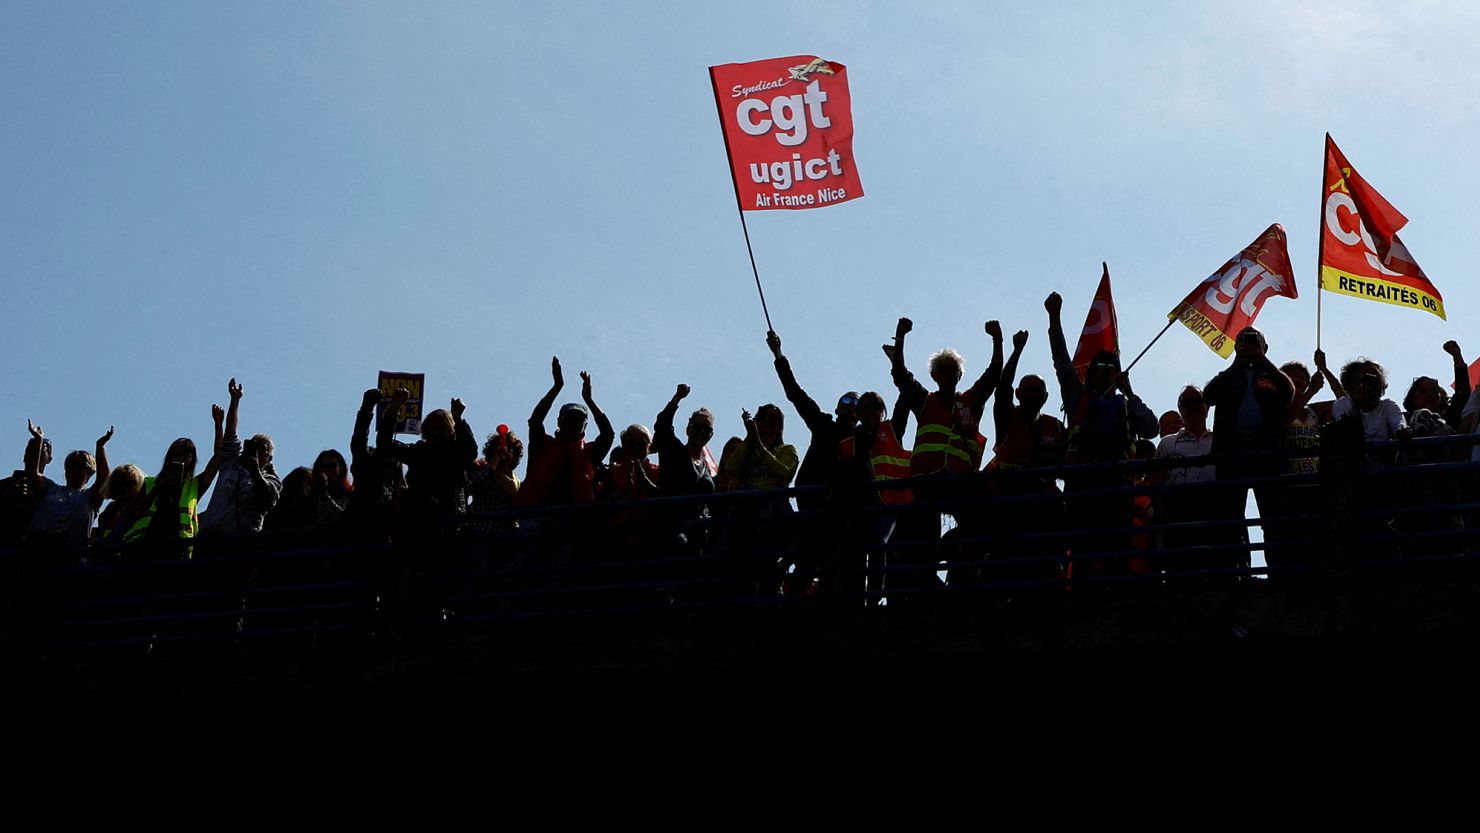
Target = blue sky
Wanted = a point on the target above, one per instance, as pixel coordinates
(302, 194)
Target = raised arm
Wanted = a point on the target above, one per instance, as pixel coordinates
(467, 444)
(663, 433)
(910, 390)
(34, 462)
(1071, 387)
(234, 391)
(605, 435)
(987, 383)
(542, 408)
(1002, 405)
(207, 476)
(1336, 389)
(100, 453)
(1302, 398)
(806, 406)
(1455, 415)
(385, 436)
(359, 441)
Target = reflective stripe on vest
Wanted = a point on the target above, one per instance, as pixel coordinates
(938, 446)
(890, 461)
(189, 523)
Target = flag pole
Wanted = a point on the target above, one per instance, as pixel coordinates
(1321, 237)
(739, 206)
(1170, 322)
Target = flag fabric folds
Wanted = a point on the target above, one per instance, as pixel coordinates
(1101, 332)
(1230, 299)
(789, 132)
(1361, 254)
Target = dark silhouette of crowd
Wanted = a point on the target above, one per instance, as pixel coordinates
(1097, 493)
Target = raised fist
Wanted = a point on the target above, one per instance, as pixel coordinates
(903, 327)
(1053, 303)
(994, 329)
(1019, 339)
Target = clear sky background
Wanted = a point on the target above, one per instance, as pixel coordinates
(301, 194)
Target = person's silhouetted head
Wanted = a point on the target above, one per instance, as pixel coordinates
(438, 426)
(1032, 393)
(871, 409)
(769, 422)
(946, 368)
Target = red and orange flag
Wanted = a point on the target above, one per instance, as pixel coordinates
(1361, 254)
(1101, 332)
(1230, 299)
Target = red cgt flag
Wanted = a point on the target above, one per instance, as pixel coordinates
(1101, 332)
(1361, 254)
(789, 132)
(1230, 299)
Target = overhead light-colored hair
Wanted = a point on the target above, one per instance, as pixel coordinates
(948, 355)
(636, 428)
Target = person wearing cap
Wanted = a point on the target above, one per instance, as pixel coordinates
(562, 467)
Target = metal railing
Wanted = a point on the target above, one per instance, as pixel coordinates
(1073, 531)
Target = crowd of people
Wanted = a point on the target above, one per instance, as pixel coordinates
(1050, 500)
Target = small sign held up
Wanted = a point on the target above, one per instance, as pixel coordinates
(408, 420)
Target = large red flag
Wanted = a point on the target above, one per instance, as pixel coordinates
(1361, 254)
(789, 132)
(1230, 299)
(1101, 332)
